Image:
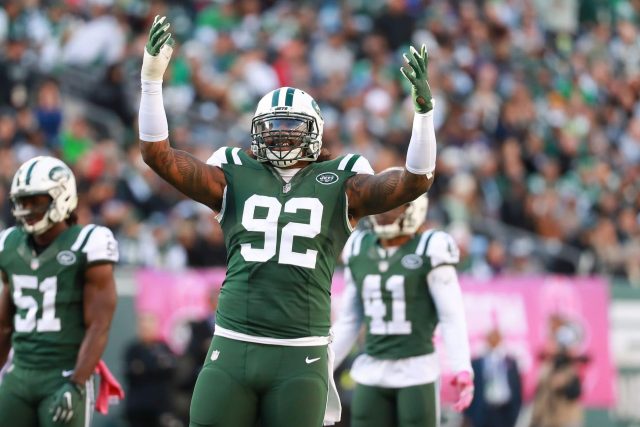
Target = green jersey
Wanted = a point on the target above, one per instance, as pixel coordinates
(47, 291)
(283, 240)
(394, 300)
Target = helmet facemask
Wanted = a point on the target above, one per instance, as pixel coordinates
(26, 209)
(285, 139)
(286, 128)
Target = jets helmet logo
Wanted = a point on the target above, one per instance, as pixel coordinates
(58, 173)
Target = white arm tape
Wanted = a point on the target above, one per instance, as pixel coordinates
(152, 120)
(421, 154)
(445, 290)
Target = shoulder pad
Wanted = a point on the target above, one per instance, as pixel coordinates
(3, 236)
(355, 163)
(225, 155)
(98, 243)
(442, 249)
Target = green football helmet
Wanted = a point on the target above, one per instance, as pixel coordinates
(286, 128)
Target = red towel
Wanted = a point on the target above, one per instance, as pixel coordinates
(110, 388)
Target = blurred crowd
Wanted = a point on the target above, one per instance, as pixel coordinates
(537, 114)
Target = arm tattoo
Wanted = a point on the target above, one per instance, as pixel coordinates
(372, 194)
(194, 178)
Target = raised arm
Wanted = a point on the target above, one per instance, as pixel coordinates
(372, 194)
(194, 178)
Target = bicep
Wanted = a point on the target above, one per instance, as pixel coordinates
(373, 194)
(99, 294)
(194, 178)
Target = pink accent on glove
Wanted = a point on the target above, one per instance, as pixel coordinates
(110, 388)
(463, 386)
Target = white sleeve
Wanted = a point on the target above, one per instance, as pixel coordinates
(445, 290)
(152, 119)
(101, 246)
(218, 158)
(347, 326)
(421, 153)
(362, 166)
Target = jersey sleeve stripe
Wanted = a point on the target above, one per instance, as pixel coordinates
(228, 154)
(352, 162)
(4, 235)
(346, 214)
(344, 161)
(81, 237)
(86, 239)
(423, 244)
(234, 155)
(220, 215)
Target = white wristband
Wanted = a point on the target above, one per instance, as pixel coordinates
(421, 154)
(152, 120)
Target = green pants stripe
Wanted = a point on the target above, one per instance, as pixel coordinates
(241, 383)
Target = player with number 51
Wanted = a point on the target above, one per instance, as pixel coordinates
(286, 208)
(57, 301)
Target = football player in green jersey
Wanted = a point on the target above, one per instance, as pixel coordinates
(56, 303)
(400, 284)
(286, 210)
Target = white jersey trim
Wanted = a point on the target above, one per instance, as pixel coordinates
(218, 158)
(346, 214)
(80, 239)
(235, 157)
(422, 244)
(362, 166)
(101, 245)
(4, 235)
(288, 342)
(344, 161)
(89, 402)
(396, 373)
(442, 249)
(220, 215)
